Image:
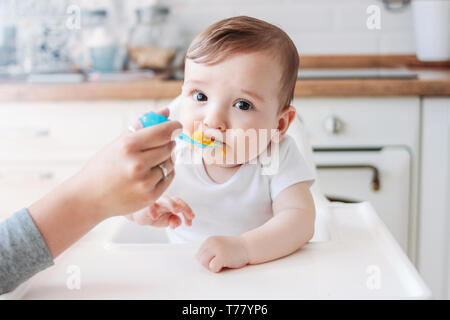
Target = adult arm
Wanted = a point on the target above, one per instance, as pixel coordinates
(23, 251)
(122, 178)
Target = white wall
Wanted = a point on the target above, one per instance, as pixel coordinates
(316, 26)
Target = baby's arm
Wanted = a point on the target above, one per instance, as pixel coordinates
(290, 228)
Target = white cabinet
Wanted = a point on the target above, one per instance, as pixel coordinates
(360, 121)
(434, 224)
(57, 131)
(382, 177)
(21, 185)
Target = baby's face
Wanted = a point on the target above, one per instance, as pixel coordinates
(240, 92)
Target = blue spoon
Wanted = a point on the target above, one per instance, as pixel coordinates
(151, 118)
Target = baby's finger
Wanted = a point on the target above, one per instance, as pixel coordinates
(142, 217)
(185, 209)
(162, 221)
(216, 264)
(204, 257)
(154, 211)
(174, 221)
(177, 205)
(171, 206)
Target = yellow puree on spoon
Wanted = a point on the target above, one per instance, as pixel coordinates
(199, 137)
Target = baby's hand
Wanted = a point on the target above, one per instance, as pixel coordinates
(163, 213)
(223, 252)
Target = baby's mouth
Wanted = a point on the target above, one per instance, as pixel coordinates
(215, 141)
(200, 136)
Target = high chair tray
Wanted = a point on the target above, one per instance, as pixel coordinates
(354, 257)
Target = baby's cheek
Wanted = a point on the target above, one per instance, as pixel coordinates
(256, 146)
(187, 124)
(185, 117)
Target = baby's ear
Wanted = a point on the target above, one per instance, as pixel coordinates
(285, 118)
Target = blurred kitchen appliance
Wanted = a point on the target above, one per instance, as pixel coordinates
(380, 175)
(367, 150)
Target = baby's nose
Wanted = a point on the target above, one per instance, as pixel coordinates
(215, 121)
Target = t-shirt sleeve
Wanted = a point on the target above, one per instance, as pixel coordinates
(23, 251)
(292, 167)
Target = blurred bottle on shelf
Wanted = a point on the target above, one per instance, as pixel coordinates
(154, 42)
(97, 48)
(7, 44)
(432, 29)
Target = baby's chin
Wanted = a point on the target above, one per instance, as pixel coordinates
(228, 159)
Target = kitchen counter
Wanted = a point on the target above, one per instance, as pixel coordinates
(434, 82)
(433, 79)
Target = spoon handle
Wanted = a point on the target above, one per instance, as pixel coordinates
(151, 118)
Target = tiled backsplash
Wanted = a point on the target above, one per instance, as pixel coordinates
(316, 26)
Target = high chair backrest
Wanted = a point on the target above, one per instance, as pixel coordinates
(297, 131)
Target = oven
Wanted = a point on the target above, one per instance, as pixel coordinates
(378, 175)
(366, 149)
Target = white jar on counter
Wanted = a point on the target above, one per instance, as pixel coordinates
(432, 29)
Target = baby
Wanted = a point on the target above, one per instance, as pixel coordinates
(240, 75)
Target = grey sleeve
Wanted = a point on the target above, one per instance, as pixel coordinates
(23, 251)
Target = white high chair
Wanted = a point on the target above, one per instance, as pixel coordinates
(327, 226)
(352, 256)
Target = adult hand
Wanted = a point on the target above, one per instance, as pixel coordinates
(125, 176)
(122, 178)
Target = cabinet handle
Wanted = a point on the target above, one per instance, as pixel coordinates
(333, 125)
(375, 183)
(43, 133)
(46, 176)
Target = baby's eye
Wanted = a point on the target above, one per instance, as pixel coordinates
(243, 105)
(198, 96)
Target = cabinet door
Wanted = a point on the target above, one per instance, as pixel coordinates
(434, 226)
(58, 131)
(360, 121)
(381, 177)
(21, 185)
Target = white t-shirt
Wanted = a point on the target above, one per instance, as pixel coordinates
(242, 203)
